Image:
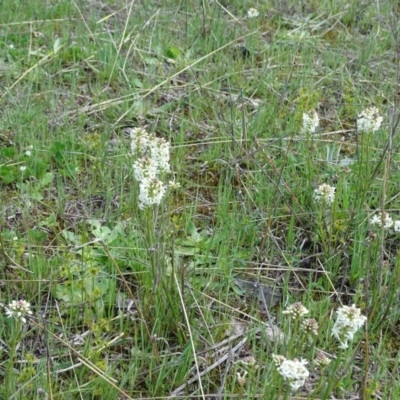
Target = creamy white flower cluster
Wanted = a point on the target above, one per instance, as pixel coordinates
(18, 310)
(292, 371)
(324, 193)
(252, 13)
(296, 310)
(321, 359)
(369, 120)
(151, 159)
(386, 220)
(310, 122)
(348, 321)
(295, 371)
(310, 325)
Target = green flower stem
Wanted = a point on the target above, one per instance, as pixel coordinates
(15, 337)
(151, 245)
(333, 382)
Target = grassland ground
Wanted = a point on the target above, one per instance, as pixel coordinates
(193, 296)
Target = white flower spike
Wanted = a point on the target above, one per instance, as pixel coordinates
(310, 122)
(322, 360)
(143, 168)
(292, 371)
(369, 121)
(387, 220)
(159, 151)
(252, 13)
(310, 325)
(151, 192)
(139, 141)
(296, 310)
(151, 158)
(278, 360)
(18, 310)
(349, 320)
(325, 194)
